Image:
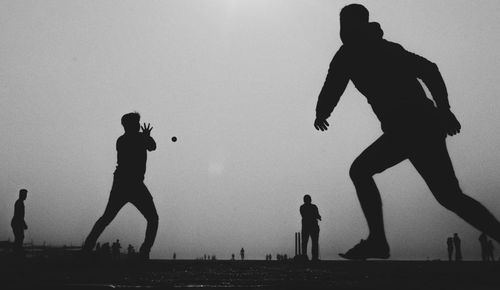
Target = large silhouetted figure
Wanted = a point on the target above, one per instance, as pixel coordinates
(18, 223)
(413, 126)
(310, 228)
(128, 182)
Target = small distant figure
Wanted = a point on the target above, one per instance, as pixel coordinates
(128, 182)
(458, 248)
(205, 257)
(310, 227)
(115, 249)
(105, 251)
(270, 257)
(490, 251)
(242, 254)
(449, 243)
(483, 242)
(130, 251)
(18, 223)
(232, 257)
(175, 256)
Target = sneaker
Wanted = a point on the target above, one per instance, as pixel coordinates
(366, 250)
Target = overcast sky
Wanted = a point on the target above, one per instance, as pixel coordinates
(237, 82)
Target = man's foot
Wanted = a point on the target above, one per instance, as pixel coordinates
(367, 249)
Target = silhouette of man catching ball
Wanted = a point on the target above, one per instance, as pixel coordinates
(128, 182)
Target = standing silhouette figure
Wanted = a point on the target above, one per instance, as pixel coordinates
(18, 223)
(413, 126)
(310, 227)
(458, 247)
(491, 251)
(242, 254)
(483, 242)
(128, 183)
(449, 244)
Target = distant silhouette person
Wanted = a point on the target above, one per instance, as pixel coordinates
(232, 257)
(175, 256)
(18, 223)
(242, 254)
(414, 128)
(130, 251)
(483, 242)
(458, 247)
(105, 251)
(115, 249)
(128, 182)
(490, 251)
(449, 244)
(310, 227)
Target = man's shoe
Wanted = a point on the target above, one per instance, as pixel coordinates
(367, 250)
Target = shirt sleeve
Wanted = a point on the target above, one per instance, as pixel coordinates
(429, 73)
(334, 86)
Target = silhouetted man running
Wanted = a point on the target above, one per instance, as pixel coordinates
(414, 128)
(128, 182)
(310, 227)
(18, 223)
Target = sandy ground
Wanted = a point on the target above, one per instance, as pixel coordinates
(188, 274)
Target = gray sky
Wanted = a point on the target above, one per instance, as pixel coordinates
(237, 82)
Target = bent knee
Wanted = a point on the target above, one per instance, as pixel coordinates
(153, 218)
(452, 200)
(359, 171)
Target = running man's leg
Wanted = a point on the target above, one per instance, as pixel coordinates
(115, 203)
(384, 153)
(144, 203)
(432, 161)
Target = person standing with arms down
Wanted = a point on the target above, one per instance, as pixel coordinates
(310, 227)
(128, 182)
(242, 254)
(458, 247)
(483, 242)
(413, 126)
(18, 223)
(449, 244)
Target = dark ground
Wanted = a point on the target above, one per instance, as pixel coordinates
(183, 274)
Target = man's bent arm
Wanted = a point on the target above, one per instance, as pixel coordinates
(334, 86)
(429, 73)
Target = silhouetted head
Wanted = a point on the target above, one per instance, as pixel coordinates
(307, 198)
(131, 123)
(23, 193)
(353, 22)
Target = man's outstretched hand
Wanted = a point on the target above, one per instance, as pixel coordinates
(450, 123)
(321, 124)
(146, 129)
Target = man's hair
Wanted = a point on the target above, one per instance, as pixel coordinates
(307, 198)
(355, 13)
(130, 118)
(23, 191)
